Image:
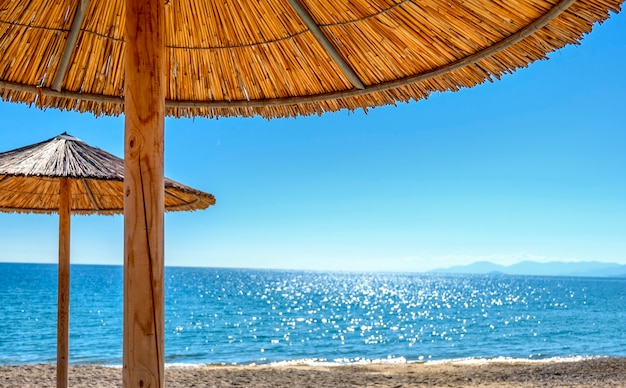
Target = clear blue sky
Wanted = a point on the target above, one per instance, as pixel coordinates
(529, 167)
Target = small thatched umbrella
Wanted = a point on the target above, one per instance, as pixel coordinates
(273, 58)
(67, 176)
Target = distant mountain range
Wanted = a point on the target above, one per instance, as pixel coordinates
(554, 268)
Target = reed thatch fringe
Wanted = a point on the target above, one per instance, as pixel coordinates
(232, 58)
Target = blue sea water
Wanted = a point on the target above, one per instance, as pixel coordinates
(262, 316)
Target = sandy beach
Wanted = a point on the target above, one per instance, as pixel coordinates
(600, 372)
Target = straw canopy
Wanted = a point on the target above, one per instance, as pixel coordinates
(30, 180)
(277, 58)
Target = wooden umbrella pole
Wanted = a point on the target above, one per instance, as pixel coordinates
(144, 109)
(63, 307)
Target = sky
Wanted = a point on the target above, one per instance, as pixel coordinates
(529, 167)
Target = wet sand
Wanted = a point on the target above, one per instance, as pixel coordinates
(599, 372)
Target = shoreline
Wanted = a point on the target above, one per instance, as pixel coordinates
(586, 372)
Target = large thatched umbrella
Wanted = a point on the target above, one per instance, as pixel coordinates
(67, 176)
(271, 58)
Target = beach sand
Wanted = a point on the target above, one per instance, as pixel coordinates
(599, 372)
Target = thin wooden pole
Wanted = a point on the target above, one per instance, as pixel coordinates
(70, 44)
(144, 194)
(63, 307)
(317, 32)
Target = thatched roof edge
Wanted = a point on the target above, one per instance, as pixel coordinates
(564, 23)
(30, 180)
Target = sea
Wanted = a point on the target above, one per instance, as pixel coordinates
(251, 316)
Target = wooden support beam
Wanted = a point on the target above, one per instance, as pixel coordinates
(328, 46)
(63, 306)
(144, 109)
(90, 194)
(70, 43)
